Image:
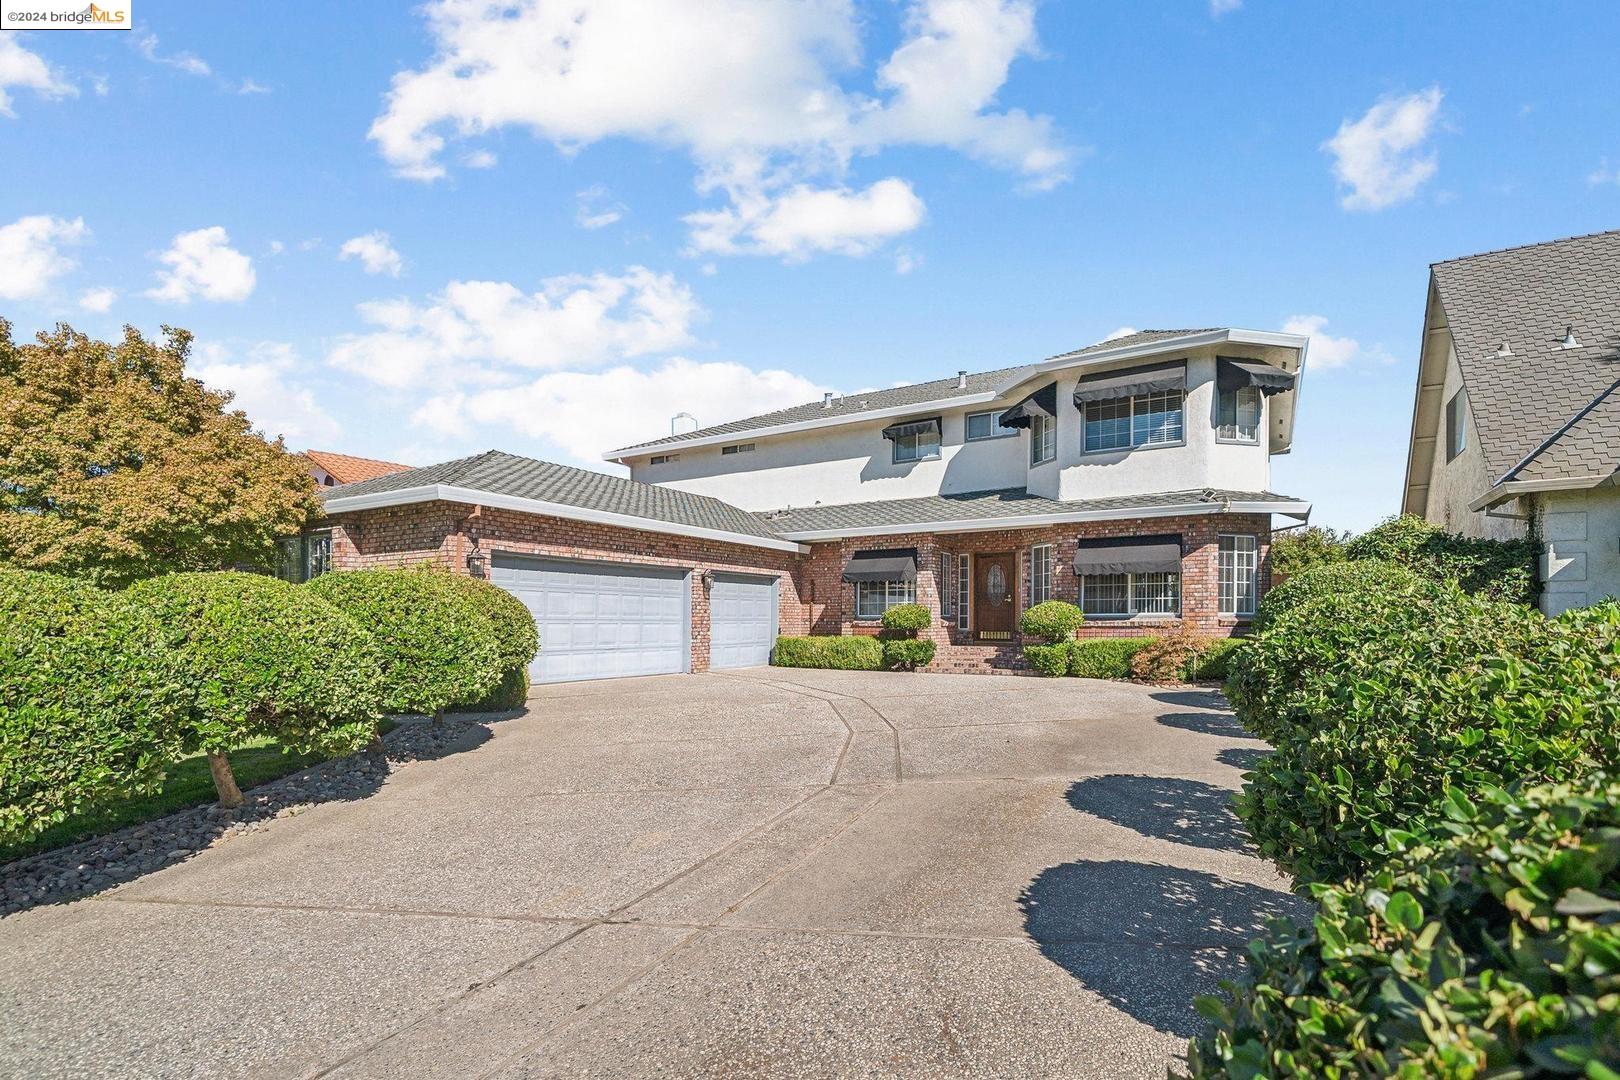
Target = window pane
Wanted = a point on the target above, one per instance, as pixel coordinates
(1041, 574)
(964, 585)
(873, 598)
(928, 445)
(319, 559)
(1156, 594)
(978, 425)
(1156, 418)
(1239, 573)
(1108, 424)
(1240, 414)
(1105, 594)
(1042, 440)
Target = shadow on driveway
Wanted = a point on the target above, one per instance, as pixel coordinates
(1188, 812)
(105, 862)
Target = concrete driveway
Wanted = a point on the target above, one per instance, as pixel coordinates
(771, 872)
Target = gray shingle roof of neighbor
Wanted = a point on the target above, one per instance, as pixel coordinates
(900, 396)
(529, 478)
(1528, 296)
(1009, 503)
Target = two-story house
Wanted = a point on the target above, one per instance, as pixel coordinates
(1516, 419)
(1131, 477)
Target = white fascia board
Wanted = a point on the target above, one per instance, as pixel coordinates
(641, 449)
(450, 493)
(1512, 489)
(1276, 339)
(1300, 511)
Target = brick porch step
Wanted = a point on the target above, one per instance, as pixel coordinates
(984, 659)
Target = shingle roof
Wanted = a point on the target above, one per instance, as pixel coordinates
(348, 469)
(528, 478)
(1527, 296)
(900, 396)
(1010, 503)
(1588, 447)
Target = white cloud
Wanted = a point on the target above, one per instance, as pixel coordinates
(248, 86)
(19, 67)
(31, 255)
(596, 208)
(563, 409)
(202, 263)
(1119, 332)
(1603, 174)
(754, 91)
(99, 299)
(190, 63)
(1381, 158)
(276, 247)
(906, 261)
(474, 329)
(1327, 351)
(804, 221)
(264, 378)
(375, 252)
(1217, 8)
(480, 159)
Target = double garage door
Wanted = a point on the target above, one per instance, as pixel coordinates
(603, 621)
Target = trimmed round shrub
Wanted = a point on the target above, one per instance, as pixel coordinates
(852, 653)
(1499, 569)
(91, 704)
(517, 638)
(1331, 579)
(266, 659)
(1168, 658)
(907, 654)
(907, 619)
(1491, 950)
(1051, 659)
(436, 645)
(1393, 698)
(1053, 620)
(1104, 658)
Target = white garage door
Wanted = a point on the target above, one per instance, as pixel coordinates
(598, 621)
(742, 621)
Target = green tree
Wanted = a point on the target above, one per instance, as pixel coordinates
(117, 466)
(1297, 550)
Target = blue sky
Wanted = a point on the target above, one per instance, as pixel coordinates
(415, 233)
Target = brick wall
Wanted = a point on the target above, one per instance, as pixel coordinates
(447, 533)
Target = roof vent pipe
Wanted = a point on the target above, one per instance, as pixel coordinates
(961, 380)
(1569, 341)
(826, 400)
(682, 423)
(1506, 350)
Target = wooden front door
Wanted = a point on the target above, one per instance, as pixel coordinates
(994, 588)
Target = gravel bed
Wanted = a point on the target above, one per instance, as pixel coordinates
(94, 865)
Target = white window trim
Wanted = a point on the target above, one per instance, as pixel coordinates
(964, 592)
(997, 431)
(1037, 442)
(1132, 611)
(1456, 427)
(895, 593)
(894, 450)
(1132, 445)
(1220, 569)
(1043, 565)
(1259, 422)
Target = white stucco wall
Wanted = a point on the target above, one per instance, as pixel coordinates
(1454, 484)
(1580, 564)
(853, 463)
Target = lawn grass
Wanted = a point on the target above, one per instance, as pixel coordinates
(188, 784)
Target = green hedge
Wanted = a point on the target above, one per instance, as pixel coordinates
(1374, 703)
(1498, 569)
(266, 659)
(851, 653)
(907, 619)
(1104, 658)
(1050, 660)
(1214, 660)
(1493, 950)
(93, 705)
(1053, 620)
(1350, 578)
(436, 645)
(907, 654)
(516, 637)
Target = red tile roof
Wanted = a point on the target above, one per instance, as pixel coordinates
(348, 469)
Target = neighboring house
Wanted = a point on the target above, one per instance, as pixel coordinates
(1131, 477)
(331, 470)
(1516, 423)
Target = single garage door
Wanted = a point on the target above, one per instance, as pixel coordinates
(742, 621)
(599, 621)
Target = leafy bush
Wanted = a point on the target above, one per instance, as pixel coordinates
(264, 659)
(1105, 658)
(1168, 658)
(1351, 578)
(907, 619)
(1050, 660)
(516, 636)
(509, 695)
(852, 653)
(92, 704)
(1054, 620)
(1298, 550)
(1493, 950)
(1214, 661)
(907, 654)
(1378, 701)
(1499, 569)
(436, 645)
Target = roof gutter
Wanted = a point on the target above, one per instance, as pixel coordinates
(343, 504)
(1300, 511)
(1152, 348)
(1508, 490)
